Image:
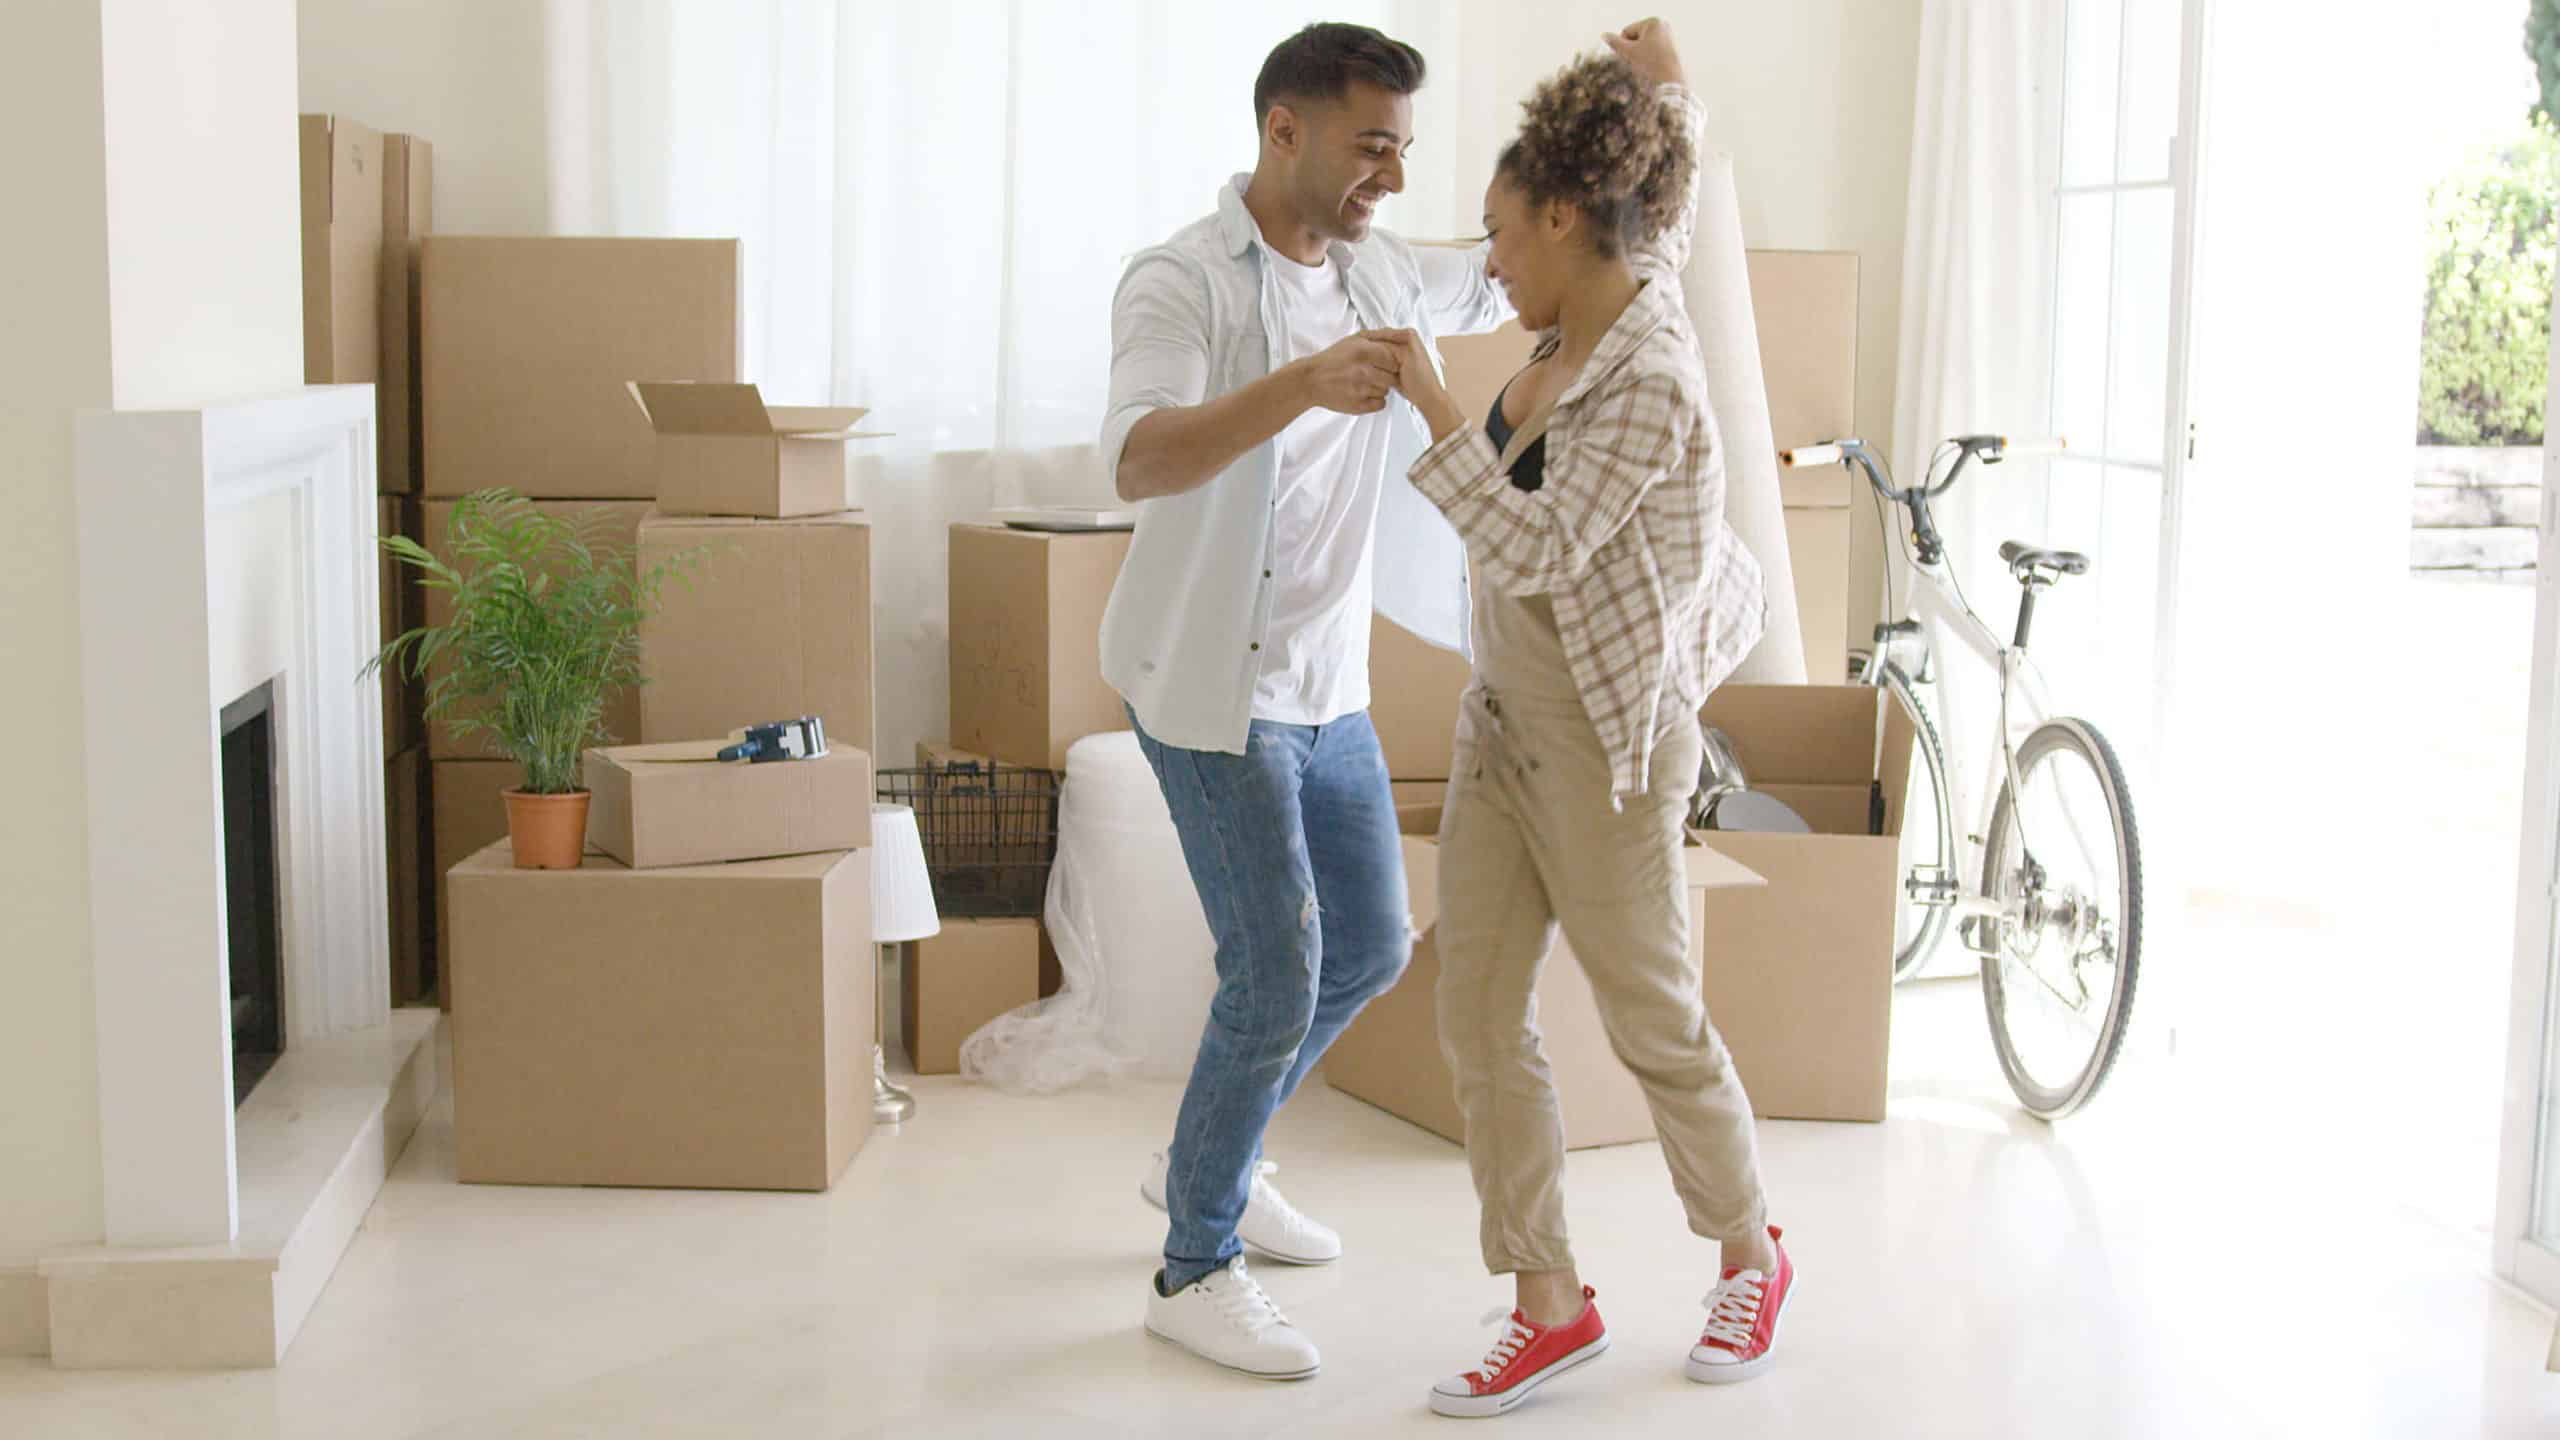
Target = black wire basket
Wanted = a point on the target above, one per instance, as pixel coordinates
(990, 833)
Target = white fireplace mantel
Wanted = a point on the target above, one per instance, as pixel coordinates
(220, 548)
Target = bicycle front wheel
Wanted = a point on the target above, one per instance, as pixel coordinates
(2064, 865)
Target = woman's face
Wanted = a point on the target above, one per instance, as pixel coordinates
(1530, 250)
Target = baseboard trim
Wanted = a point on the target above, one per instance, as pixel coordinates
(25, 1329)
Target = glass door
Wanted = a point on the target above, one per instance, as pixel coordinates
(2528, 1233)
(2125, 219)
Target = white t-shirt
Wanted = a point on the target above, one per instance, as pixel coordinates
(1315, 657)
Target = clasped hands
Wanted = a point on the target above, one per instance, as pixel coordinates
(1354, 376)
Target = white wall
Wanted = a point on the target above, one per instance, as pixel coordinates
(465, 74)
(53, 360)
(204, 200)
(1813, 99)
(159, 148)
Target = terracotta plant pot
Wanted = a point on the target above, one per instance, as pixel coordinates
(547, 832)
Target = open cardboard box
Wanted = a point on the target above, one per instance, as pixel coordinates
(723, 451)
(1793, 936)
(679, 803)
(1391, 1058)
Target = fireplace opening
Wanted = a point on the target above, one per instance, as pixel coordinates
(252, 901)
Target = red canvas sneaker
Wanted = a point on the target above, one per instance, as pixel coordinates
(1526, 1357)
(1742, 1322)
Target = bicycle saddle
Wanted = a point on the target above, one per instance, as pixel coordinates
(2022, 557)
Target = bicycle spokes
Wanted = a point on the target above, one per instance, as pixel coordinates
(2061, 868)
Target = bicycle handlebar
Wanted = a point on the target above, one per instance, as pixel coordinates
(1855, 453)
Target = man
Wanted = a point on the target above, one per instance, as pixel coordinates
(1253, 412)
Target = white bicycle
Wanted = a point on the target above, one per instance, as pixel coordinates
(2056, 912)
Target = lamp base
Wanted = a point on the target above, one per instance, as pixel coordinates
(889, 1104)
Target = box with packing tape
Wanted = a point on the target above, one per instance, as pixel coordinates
(679, 803)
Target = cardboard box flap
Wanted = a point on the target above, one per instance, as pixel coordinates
(718, 407)
(1800, 734)
(1708, 869)
(822, 422)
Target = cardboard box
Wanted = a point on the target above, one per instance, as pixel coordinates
(679, 804)
(1474, 368)
(774, 623)
(1026, 641)
(408, 213)
(341, 251)
(403, 699)
(615, 525)
(954, 982)
(702, 1026)
(529, 341)
(1413, 700)
(1818, 543)
(1797, 971)
(1805, 307)
(723, 451)
(1806, 1002)
(1391, 1058)
(467, 799)
(404, 816)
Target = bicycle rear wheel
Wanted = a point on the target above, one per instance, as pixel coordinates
(1929, 861)
(2064, 864)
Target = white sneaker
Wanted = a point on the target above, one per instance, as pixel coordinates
(1271, 1225)
(1226, 1318)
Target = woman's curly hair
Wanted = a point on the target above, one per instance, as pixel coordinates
(1600, 138)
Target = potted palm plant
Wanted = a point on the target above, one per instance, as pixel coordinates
(545, 625)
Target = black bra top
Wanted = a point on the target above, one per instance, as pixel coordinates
(1530, 470)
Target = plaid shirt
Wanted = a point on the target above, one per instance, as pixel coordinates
(1656, 599)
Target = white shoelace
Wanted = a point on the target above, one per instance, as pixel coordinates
(1734, 1309)
(1515, 1338)
(1269, 1193)
(1241, 1299)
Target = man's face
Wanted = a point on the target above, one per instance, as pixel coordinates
(1349, 156)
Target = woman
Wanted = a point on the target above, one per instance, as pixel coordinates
(1610, 598)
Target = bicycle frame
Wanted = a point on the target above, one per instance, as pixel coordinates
(1931, 599)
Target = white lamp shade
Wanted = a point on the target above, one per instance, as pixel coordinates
(901, 889)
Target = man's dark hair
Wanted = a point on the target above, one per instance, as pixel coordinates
(1321, 61)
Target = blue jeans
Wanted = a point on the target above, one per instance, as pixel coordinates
(1293, 848)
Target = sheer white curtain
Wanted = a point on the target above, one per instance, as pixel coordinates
(936, 198)
(1976, 303)
(1976, 310)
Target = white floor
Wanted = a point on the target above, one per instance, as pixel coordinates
(2280, 1229)
(1966, 1272)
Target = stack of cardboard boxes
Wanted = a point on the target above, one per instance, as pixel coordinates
(527, 346)
(1026, 685)
(366, 204)
(693, 1006)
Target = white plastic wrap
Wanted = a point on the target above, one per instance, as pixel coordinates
(1718, 282)
(1137, 962)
